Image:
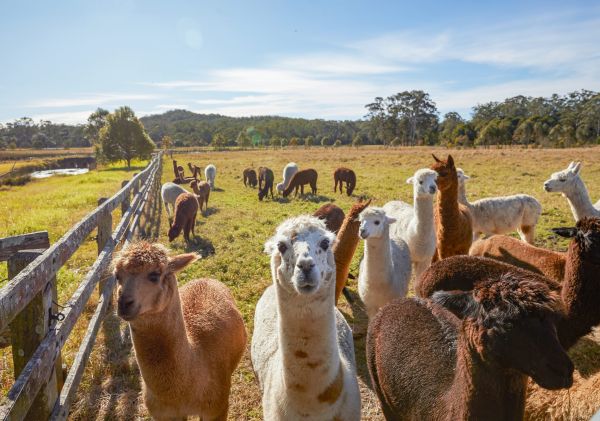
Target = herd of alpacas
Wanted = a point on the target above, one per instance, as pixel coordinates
(485, 338)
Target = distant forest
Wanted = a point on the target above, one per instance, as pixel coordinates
(407, 118)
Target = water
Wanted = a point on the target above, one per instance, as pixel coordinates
(62, 171)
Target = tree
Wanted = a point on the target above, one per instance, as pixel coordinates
(124, 138)
(218, 141)
(325, 141)
(276, 142)
(294, 141)
(357, 141)
(96, 121)
(396, 141)
(337, 143)
(309, 141)
(166, 142)
(243, 139)
(39, 140)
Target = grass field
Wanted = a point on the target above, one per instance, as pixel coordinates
(232, 235)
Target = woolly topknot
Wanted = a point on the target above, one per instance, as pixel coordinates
(372, 212)
(424, 173)
(140, 256)
(290, 228)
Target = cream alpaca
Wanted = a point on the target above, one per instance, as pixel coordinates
(210, 173)
(169, 193)
(288, 172)
(302, 347)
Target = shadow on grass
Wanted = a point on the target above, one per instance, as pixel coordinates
(136, 168)
(217, 189)
(202, 246)
(586, 356)
(210, 211)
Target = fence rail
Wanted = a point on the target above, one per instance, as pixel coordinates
(39, 385)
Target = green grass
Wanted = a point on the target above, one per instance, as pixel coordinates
(232, 236)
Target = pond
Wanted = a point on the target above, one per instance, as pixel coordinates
(62, 171)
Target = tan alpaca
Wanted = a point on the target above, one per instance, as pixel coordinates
(187, 341)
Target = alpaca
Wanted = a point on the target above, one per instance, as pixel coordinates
(569, 183)
(501, 215)
(385, 268)
(454, 228)
(346, 175)
(427, 363)
(266, 177)
(202, 191)
(510, 250)
(186, 208)
(180, 177)
(345, 246)
(415, 225)
(210, 173)
(250, 177)
(299, 179)
(332, 215)
(187, 341)
(288, 172)
(302, 348)
(169, 193)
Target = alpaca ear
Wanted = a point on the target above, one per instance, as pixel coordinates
(450, 161)
(436, 158)
(179, 262)
(571, 164)
(575, 169)
(390, 220)
(461, 303)
(410, 180)
(565, 232)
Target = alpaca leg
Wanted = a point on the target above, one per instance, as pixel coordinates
(527, 233)
(186, 231)
(167, 210)
(193, 223)
(302, 189)
(313, 186)
(335, 186)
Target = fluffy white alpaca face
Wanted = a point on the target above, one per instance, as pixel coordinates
(462, 177)
(564, 180)
(424, 182)
(301, 255)
(372, 223)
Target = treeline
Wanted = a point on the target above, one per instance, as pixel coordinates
(26, 133)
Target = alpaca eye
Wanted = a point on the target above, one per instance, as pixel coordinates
(154, 277)
(281, 247)
(324, 244)
(420, 182)
(376, 222)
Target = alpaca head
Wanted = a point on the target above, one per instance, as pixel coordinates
(462, 177)
(586, 236)
(565, 180)
(509, 321)
(424, 182)
(373, 222)
(194, 186)
(280, 187)
(146, 278)
(302, 259)
(446, 172)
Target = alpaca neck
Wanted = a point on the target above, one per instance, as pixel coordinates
(580, 295)
(424, 216)
(307, 343)
(378, 259)
(462, 195)
(579, 200)
(448, 203)
(481, 391)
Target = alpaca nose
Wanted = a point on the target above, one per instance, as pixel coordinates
(546, 187)
(125, 304)
(363, 233)
(306, 268)
(431, 189)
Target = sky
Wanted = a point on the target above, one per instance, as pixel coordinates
(60, 60)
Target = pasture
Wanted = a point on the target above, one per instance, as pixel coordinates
(231, 235)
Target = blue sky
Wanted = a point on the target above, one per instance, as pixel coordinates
(62, 59)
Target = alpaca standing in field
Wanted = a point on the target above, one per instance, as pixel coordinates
(569, 183)
(202, 191)
(501, 215)
(186, 209)
(188, 340)
(385, 269)
(265, 182)
(308, 176)
(210, 173)
(344, 175)
(415, 225)
(302, 347)
(288, 172)
(250, 177)
(169, 193)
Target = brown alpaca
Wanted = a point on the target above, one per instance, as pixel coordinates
(187, 341)
(345, 246)
(427, 363)
(346, 175)
(510, 250)
(332, 215)
(265, 182)
(454, 230)
(186, 208)
(180, 177)
(299, 179)
(202, 191)
(250, 177)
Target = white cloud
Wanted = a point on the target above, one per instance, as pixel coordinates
(93, 99)
(75, 117)
(171, 107)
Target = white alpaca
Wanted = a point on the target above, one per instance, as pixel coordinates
(501, 215)
(169, 193)
(288, 172)
(570, 184)
(302, 347)
(415, 225)
(210, 172)
(385, 269)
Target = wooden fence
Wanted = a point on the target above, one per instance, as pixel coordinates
(38, 330)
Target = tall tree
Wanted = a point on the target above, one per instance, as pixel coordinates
(95, 122)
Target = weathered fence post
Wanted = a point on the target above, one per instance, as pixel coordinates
(104, 235)
(27, 331)
(126, 199)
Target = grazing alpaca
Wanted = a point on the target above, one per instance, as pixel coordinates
(454, 229)
(345, 246)
(265, 182)
(210, 173)
(332, 215)
(308, 176)
(427, 363)
(570, 184)
(288, 172)
(415, 225)
(384, 271)
(169, 193)
(186, 208)
(510, 250)
(302, 347)
(187, 341)
(501, 215)
(202, 191)
(346, 175)
(250, 177)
